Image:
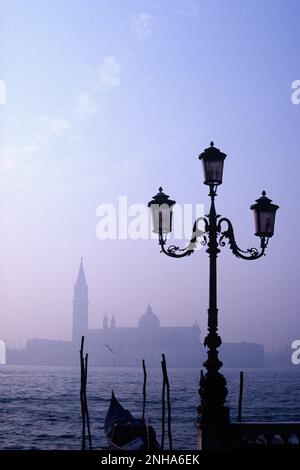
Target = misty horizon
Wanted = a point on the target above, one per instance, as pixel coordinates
(20, 344)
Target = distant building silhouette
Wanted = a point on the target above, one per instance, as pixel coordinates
(112, 345)
(105, 322)
(149, 321)
(113, 322)
(80, 306)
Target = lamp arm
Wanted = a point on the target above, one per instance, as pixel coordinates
(250, 253)
(176, 252)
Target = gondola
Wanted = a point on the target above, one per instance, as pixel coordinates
(124, 432)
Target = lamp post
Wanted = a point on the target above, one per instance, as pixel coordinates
(215, 232)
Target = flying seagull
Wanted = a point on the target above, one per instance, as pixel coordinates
(108, 347)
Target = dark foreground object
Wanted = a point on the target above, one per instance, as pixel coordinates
(124, 432)
(249, 436)
(138, 459)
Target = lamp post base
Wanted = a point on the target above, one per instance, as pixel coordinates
(214, 415)
(212, 429)
(213, 392)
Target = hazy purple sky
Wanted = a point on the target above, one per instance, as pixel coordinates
(109, 98)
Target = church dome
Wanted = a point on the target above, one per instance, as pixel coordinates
(149, 319)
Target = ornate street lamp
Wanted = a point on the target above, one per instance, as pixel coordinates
(264, 216)
(215, 232)
(162, 211)
(213, 162)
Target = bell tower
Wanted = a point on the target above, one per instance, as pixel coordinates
(80, 307)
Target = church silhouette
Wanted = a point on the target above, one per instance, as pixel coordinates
(127, 346)
(112, 345)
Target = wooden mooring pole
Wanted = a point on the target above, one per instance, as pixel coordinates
(163, 409)
(144, 390)
(167, 388)
(241, 396)
(83, 400)
(86, 404)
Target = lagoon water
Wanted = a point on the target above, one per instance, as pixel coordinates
(40, 406)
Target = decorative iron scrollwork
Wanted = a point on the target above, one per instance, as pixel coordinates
(225, 237)
(250, 253)
(197, 236)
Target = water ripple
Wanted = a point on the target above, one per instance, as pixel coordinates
(40, 407)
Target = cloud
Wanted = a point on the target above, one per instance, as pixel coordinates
(109, 73)
(142, 25)
(188, 8)
(85, 105)
(39, 132)
(49, 126)
(11, 157)
(36, 132)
